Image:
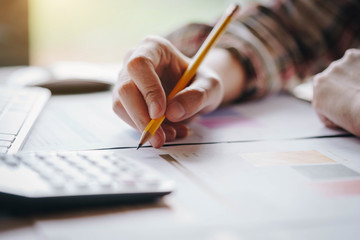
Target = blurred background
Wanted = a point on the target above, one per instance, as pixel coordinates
(41, 32)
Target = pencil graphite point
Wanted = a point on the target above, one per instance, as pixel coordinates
(144, 138)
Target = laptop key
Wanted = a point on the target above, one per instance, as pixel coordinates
(7, 137)
(11, 122)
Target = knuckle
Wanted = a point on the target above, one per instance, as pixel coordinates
(319, 79)
(151, 93)
(118, 108)
(159, 44)
(336, 68)
(155, 41)
(200, 94)
(150, 38)
(215, 84)
(137, 62)
(125, 88)
(147, 54)
(351, 55)
(116, 104)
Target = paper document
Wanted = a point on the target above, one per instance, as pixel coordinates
(274, 117)
(314, 182)
(86, 121)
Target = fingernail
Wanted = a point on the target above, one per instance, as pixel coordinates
(154, 109)
(176, 111)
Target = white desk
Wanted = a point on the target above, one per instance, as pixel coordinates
(219, 195)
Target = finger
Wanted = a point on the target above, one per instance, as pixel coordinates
(135, 107)
(182, 130)
(133, 103)
(203, 95)
(170, 132)
(328, 123)
(175, 131)
(119, 109)
(158, 139)
(141, 67)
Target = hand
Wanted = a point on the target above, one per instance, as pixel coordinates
(149, 74)
(337, 93)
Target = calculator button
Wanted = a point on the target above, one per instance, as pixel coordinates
(84, 173)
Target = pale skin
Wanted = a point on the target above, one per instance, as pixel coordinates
(337, 93)
(151, 70)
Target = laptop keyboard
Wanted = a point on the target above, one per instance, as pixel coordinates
(19, 108)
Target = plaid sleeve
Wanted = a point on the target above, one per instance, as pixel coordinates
(282, 43)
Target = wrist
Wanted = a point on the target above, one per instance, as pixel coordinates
(230, 72)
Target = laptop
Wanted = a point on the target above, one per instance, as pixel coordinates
(19, 109)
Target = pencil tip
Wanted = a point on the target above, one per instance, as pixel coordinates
(139, 146)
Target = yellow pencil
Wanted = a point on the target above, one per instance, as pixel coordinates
(190, 71)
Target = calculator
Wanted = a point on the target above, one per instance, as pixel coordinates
(45, 180)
